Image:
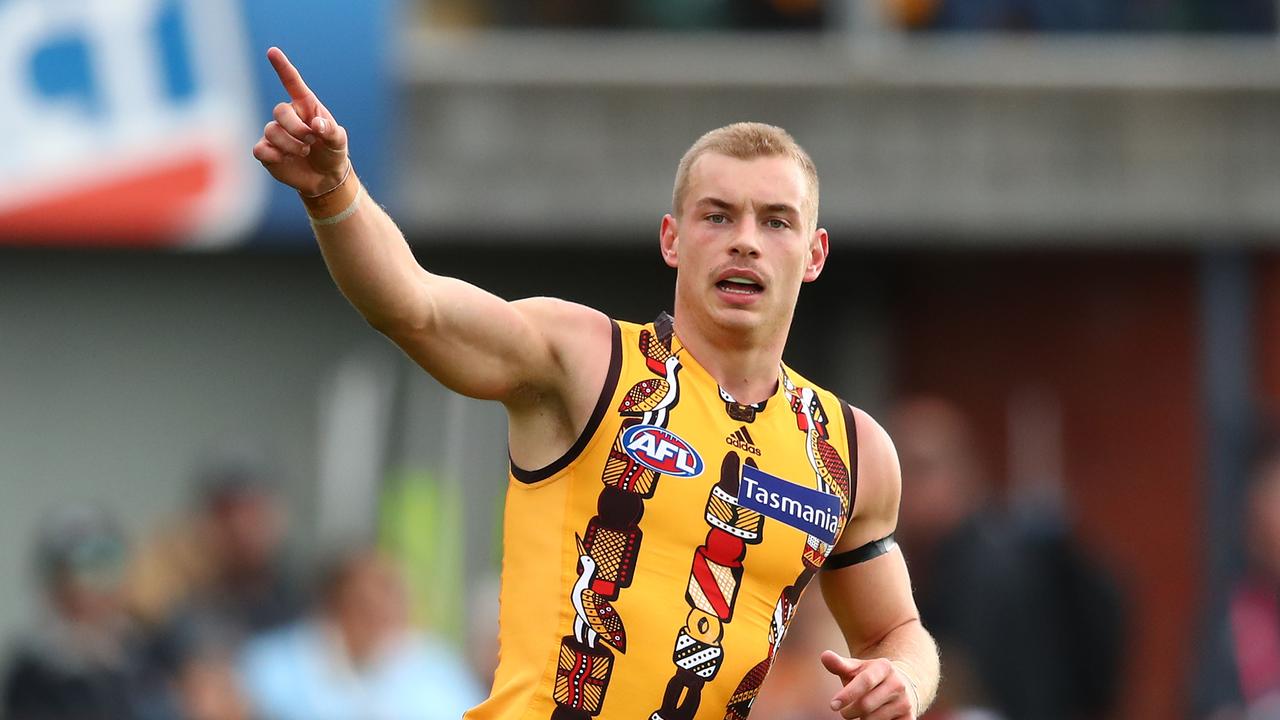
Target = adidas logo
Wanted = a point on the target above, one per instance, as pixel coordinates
(742, 440)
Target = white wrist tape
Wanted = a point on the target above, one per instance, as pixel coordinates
(346, 213)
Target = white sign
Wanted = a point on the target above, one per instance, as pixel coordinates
(126, 122)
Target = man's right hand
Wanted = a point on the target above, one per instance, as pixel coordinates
(303, 146)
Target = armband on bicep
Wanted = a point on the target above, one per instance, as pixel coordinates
(870, 551)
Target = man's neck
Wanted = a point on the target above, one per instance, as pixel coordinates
(745, 365)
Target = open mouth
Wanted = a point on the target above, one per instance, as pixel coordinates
(740, 286)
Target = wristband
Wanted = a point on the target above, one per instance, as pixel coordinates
(345, 174)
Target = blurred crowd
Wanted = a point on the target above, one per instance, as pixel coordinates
(206, 619)
(1231, 16)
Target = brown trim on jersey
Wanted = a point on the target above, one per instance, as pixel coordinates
(664, 326)
(851, 433)
(593, 424)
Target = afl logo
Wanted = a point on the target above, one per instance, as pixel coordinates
(661, 450)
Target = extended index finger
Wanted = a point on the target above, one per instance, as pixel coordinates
(289, 76)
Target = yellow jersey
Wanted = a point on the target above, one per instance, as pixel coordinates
(651, 572)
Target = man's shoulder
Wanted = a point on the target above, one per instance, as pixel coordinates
(571, 327)
(578, 323)
(558, 310)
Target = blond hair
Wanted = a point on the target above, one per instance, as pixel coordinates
(748, 141)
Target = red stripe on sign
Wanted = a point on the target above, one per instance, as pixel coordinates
(150, 209)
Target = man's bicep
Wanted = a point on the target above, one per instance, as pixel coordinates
(865, 580)
(480, 345)
(870, 599)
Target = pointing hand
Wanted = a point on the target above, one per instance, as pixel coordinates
(303, 146)
(873, 689)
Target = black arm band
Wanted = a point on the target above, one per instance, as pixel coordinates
(870, 551)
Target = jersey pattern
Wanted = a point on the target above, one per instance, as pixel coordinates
(643, 577)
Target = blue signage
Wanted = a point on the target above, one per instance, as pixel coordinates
(811, 511)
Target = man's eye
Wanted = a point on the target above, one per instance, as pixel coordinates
(777, 224)
(717, 219)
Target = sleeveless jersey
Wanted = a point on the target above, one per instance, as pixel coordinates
(652, 571)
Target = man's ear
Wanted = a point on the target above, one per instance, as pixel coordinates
(818, 249)
(668, 240)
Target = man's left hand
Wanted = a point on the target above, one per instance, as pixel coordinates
(873, 689)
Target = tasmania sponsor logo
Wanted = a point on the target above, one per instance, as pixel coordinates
(812, 511)
(741, 439)
(127, 122)
(659, 449)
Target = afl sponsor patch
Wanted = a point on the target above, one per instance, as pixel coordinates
(661, 450)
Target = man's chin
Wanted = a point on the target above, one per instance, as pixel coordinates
(739, 318)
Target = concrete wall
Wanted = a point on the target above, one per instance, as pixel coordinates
(971, 141)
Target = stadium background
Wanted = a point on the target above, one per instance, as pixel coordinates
(1064, 227)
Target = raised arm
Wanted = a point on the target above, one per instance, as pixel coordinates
(893, 671)
(519, 353)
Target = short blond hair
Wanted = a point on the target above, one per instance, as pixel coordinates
(748, 141)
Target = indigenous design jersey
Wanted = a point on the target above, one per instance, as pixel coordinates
(653, 570)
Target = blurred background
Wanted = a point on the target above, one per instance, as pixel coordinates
(1053, 278)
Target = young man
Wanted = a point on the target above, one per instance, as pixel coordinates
(674, 485)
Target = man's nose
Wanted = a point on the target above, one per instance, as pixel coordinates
(746, 241)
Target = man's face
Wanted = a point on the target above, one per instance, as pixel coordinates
(939, 478)
(743, 243)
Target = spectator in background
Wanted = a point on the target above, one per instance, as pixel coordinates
(199, 655)
(1232, 16)
(911, 14)
(965, 574)
(578, 14)
(208, 688)
(779, 14)
(222, 568)
(83, 660)
(1047, 15)
(1240, 676)
(662, 14)
(357, 657)
(1028, 628)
